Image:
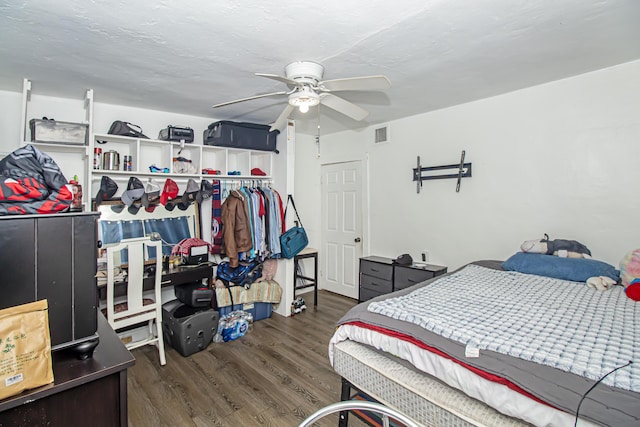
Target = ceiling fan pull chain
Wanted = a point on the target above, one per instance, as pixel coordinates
(318, 135)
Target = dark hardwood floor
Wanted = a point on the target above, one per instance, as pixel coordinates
(276, 375)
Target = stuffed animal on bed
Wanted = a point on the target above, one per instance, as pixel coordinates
(558, 247)
(630, 274)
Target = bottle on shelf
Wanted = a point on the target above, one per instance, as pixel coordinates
(97, 158)
(76, 190)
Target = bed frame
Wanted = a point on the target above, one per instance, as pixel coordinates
(420, 396)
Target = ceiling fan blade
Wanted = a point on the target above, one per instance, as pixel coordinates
(282, 118)
(280, 79)
(249, 98)
(356, 83)
(343, 106)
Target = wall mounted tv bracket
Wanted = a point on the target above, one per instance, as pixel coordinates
(461, 170)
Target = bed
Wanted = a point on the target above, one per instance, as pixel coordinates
(482, 346)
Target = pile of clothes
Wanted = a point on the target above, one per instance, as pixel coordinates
(32, 183)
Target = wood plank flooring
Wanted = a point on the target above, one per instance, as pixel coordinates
(276, 375)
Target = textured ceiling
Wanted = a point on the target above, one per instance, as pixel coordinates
(184, 56)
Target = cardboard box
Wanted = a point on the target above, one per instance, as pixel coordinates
(25, 344)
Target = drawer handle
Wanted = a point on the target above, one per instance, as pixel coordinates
(164, 282)
(373, 269)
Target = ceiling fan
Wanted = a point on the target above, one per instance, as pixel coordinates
(307, 89)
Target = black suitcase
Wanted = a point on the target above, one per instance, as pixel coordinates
(176, 133)
(249, 136)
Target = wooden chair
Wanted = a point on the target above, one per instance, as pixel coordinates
(135, 308)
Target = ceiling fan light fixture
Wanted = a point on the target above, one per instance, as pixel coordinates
(304, 99)
(304, 108)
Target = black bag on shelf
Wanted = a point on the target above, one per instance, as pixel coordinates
(126, 129)
(250, 136)
(176, 133)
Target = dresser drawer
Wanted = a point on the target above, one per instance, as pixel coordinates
(409, 276)
(376, 284)
(367, 294)
(376, 269)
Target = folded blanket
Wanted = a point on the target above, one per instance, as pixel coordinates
(266, 291)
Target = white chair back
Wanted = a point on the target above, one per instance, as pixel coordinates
(132, 309)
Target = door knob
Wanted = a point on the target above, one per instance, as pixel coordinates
(357, 240)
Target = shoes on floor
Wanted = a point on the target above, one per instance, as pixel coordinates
(297, 306)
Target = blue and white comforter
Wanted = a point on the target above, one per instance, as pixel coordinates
(553, 322)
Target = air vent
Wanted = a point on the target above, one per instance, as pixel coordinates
(381, 134)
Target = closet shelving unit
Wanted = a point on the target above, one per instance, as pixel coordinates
(148, 152)
(79, 159)
(72, 158)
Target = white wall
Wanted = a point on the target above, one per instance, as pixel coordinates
(561, 158)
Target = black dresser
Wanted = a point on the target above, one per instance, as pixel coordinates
(53, 257)
(379, 276)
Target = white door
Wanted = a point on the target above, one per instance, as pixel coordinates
(341, 227)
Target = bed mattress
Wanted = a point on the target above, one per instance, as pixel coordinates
(423, 398)
(548, 386)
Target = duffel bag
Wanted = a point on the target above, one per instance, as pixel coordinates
(126, 129)
(294, 239)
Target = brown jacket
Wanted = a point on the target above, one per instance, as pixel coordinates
(236, 232)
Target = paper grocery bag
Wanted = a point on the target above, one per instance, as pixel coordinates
(25, 348)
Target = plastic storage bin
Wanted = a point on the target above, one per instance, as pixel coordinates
(52, 131)
(259, 310)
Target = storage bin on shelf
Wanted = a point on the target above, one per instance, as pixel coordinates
(52, 131)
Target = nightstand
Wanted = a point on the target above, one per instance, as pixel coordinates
(379, 276)
(376, 277)
(408, 275)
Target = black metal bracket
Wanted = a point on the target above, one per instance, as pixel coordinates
(462, 170)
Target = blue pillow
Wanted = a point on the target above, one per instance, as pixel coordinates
(574, 269)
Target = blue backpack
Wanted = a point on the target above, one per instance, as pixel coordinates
(243, 275)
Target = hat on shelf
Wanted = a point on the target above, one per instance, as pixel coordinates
(206, 191)
(151, 196)
(191, 193)
(258, 172)
(108, 188)
(169, 192)
(134, 191)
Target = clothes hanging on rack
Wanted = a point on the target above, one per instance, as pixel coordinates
(236, 232)
(216, 217)
(251, 215)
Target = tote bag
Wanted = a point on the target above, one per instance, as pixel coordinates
(294, 239)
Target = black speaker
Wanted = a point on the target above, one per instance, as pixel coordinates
(188, 329)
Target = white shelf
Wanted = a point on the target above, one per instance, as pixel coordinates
(147, 152)
(73, 159)
(51, 146)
